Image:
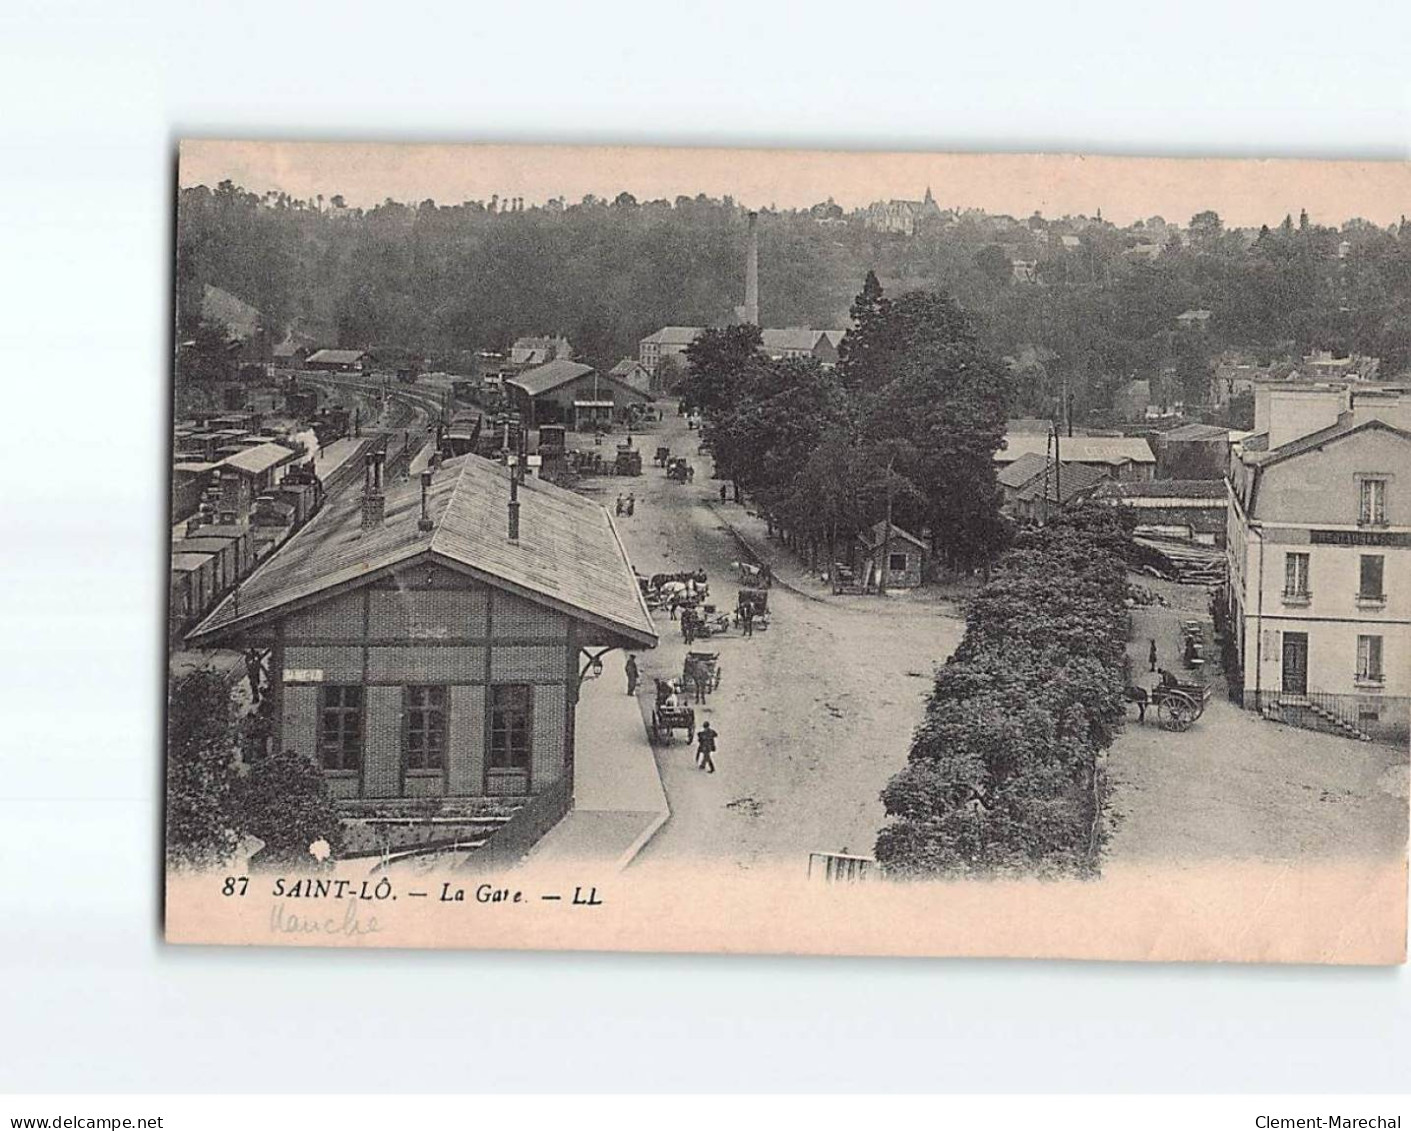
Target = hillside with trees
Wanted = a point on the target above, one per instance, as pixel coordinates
(1099, 308)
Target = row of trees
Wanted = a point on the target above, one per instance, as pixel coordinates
(1004, 775)
(212, 805)
(906, 425)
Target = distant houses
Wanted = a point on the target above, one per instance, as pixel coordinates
(1128, 458)
(572, 394)
(901, 217)
(339, 361)
(776, 344)
(668, 342)
(539, 350)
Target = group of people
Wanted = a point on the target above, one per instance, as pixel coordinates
(628, 505)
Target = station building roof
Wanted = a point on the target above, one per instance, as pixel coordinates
(568, 555)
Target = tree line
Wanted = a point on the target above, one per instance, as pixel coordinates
(904, 426)
(440, 278)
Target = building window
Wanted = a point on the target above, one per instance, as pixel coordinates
(1370, 587)
(1369, 659)
(340, 726)
(1296, 576)
(896, 563)
(1373, 508)
(425, 736)
(509, 726)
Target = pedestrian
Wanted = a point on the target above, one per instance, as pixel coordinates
(688, 625)
(632, 674)
(619, 506)
(1151, 655)
(631, 504)
(722, 492)
(705, 747)
(747, 615)
(254, 669)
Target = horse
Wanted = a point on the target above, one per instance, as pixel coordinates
(1141, 697)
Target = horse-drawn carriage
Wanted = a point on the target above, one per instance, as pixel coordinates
(663, 454)
(1177, 704)
(702, 667)
(670, 715)
(709, 621)
(756, 601)
(678, 470)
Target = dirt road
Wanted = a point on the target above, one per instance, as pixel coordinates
(814, 715)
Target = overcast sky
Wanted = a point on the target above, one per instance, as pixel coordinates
(1245, 193)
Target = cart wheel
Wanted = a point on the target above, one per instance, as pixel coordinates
(1182, 715)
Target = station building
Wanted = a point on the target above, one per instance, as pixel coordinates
(430, 643)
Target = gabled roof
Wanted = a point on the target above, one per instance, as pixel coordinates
(1344, 427)
(548, 376)
(1197, 431)
(1113, 450)
(1212, 489)
(337, 357)
(795, 338)
(258, 459)
(675, 335)
(1070, 481)
(875, 536)
(1022, 470)
(568, 556)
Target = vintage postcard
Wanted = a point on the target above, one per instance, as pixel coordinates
(789, 552)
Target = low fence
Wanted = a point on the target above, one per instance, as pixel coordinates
(1368, 717)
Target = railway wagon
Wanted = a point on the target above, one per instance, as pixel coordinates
(193, 588)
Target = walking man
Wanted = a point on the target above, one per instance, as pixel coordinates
(631, 503)
(1151, 655)
(747, 615)
(705, 748)
(632, 674)
(619, 505)
(722, 492)
(254, 670)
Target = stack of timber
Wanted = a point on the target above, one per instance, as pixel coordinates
(1190, 563)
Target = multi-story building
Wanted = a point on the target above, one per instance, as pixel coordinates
(669, 341)
(1319, 556)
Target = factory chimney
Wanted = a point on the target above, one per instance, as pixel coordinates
(751, 311)
(374, 502)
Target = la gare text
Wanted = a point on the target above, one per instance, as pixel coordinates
(382, 891)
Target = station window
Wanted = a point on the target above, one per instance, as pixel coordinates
(425, 735)
(340, 726)
(509, 726)
(896, 563)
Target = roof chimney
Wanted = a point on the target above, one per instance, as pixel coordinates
(424, 524)
(752, 273)
(514, 506)
(374, 502)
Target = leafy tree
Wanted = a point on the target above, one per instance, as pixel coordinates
(200, 759)
(285, 803)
